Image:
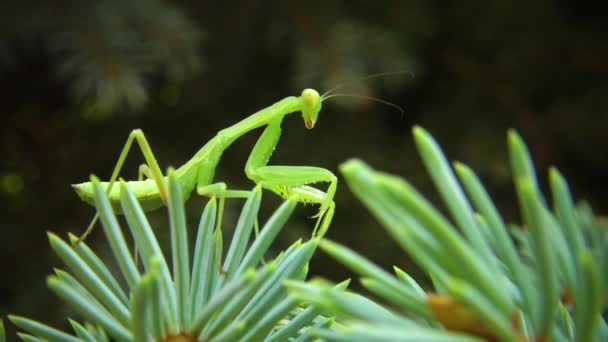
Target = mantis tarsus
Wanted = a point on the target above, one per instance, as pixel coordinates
(198, 172)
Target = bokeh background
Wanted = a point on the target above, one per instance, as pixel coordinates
(77, 77)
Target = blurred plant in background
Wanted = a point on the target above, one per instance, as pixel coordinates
(108, 51)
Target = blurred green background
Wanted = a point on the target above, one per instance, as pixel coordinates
(77, 77)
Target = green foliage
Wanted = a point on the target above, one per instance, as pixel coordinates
(550, 284)
(542, 280)
(239, 299)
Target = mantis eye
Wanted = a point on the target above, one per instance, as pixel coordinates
(311, 97)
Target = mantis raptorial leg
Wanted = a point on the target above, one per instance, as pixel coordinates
(198, 172)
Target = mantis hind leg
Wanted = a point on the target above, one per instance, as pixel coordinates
(150, 169)
(294, 181)
(219, 190)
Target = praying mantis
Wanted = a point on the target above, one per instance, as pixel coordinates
(198, 173)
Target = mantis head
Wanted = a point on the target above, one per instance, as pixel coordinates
(311, 106)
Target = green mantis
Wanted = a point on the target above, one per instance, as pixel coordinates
(198, 172)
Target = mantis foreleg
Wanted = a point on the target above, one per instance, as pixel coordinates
(289, 181)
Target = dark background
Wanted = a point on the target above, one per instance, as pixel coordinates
(76, 79)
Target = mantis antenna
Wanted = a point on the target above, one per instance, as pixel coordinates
(381, 74)
(367, 98)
